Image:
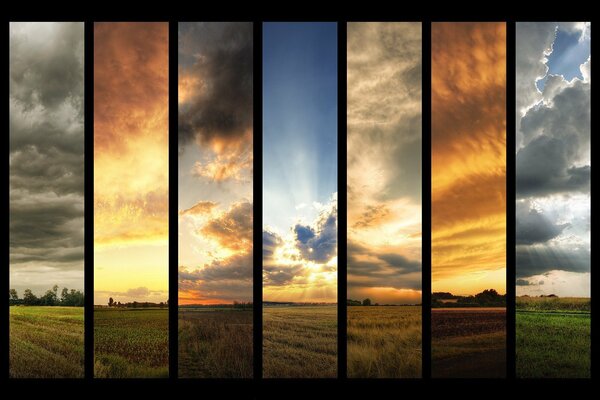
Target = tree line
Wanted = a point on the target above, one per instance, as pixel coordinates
(487, 298)
(71, 298)
(136, 304)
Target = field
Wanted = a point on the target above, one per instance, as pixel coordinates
(384, 342)
(468, 343)
(215, 343)
(131, 343)
(46, 342)
(300, 342)
(553, 337)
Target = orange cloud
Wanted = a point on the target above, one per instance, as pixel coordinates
(468, 156)
(130, 132)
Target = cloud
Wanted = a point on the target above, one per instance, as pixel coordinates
(131, 135)
(534, 227)
(468, 154)
(225, 280)
(46, 154)
(233, 228)
(556, 135)
(539, 259)
(522, 282)
(553, 168)
(218, 110)
(200, 208)
(319, 242)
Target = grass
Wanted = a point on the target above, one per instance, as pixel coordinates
(554, 304)
(300, 342)
(131, 343)
(215, 343)
(46, 342)
(384, 342)
(553, 338)
(468, 343)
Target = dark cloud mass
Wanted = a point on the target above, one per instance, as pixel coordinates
(220, 55)
(46, 154)
(534, 227)
(319, 243)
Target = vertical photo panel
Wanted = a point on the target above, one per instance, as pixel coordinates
(131, 200)
(468, 200)
(553, 167)
(46, 200)
(300, 200)
(384, 199)
(215, 200)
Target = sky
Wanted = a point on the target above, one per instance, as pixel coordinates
(553, 159)
(46, 156)
(215, 162)
(131, 142)
(468, 152)
(300, 162)
(384, 162)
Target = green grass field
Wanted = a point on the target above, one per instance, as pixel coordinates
(46, 342)
(300, 342)
(553, 337)
(131, 343)
(384, 342)
(215, 343)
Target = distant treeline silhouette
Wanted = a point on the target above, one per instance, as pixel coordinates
(137, 304)
(235, 304)
(487, 298)
(71, 298)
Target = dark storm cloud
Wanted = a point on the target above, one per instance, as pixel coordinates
(539, 259)
(555, 139)
(522, 282)
(220, 55)
(318, 243)
(282, 275)
(46, 152)
(535, 227)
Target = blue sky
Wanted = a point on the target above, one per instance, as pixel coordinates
(299, 121)
(569, 51)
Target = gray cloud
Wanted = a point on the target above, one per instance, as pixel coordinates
(381, 270)
(221, 55)
(553, 160)
(535, 227)
(46, 154)
(318, 243)
(536, 259)
(228, 279)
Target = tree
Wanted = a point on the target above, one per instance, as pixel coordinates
(29, 298)
(111, 302)
(64, 296)
(366, 302)
(13, 295)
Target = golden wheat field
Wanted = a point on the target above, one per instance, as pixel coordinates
(300, 342)
(215, 343)
(384, 342)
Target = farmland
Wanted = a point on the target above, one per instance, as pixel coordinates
(131, 343)
(215, 343)
(46, 342)
(468, 343)
(300, 342)
(553, 337)
(384, 342)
